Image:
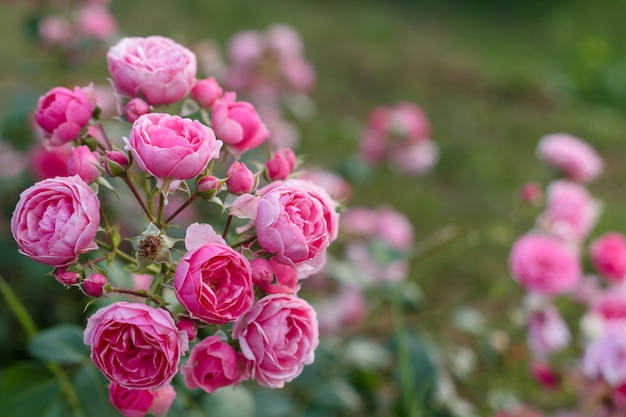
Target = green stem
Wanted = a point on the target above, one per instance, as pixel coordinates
(160, 214)
(29, 326)
(407, 389)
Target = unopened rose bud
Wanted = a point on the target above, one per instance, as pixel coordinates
(189, 326)
(240, 179)
(208, 186)
(66, 277)
(279, 166)
(94, 285)
(116, 163)
(134, 108)
(262, 273)
(206, 92)
(83, 162)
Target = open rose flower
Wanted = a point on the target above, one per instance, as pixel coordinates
(171, 148)
(213, 364)
(139, 402)
(154, 68)
(278, 337)
(62, 113)
(544, 264)
(574, 157)
(608, 256)
(135, 345)
(214, 283)
(56, 220)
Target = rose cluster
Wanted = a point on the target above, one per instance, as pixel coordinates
(549, 262)
(222, 309)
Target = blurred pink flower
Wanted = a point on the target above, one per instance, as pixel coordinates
(49, 162)
(608, 256)
(414, 158)
(12, 162)
(547, 332)
(96, 22)
(55, 30)
(605, 356)
(570, 155)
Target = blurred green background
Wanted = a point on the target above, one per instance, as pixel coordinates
(493, 77)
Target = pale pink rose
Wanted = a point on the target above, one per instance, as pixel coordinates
(341, 311)
(84, 163)
(198, 234)
(298, 73)
(135, 108)
(50, 162)
(96, 22)
(284, 39)
(359, 222)
(570, 155)
(12, 162)
(244, 47)
(213, 364)
(570, 211)
(206, 92)
(394, 228)
(55, 30)
(605, 356)
(139, 402)
(544, 264)
(63, 113)
(335, 185)
(135, 345)
(414, 158)
(155, 68)
(237, 123)
(296, 220)
(240, 179)
(608, 256)
(56, 220)
(171, 147)
(280, 165)
(274, 277)
(214, 283)
(278, 337)
(547, 332)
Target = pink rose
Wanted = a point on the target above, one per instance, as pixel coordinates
(414, 158)
(135, 108)
(280, 165)
(605, 356)
(49, 163)
(278, 337)
(84, 163)
(135, 345)
(273, 277)
(213, 364)
(547, 332)
(296, 220)
(394, 228)
(240, 179)
(214, 283)
(608, 256)
(570, 211)
(238, 124)
(543, 264)
(171, 147)
(62, 113)
(139, 402)
(570, 155)
(94, 284)
(206, 92)
(96, 22)
(155, 68)
(55, 220)
(65, 277)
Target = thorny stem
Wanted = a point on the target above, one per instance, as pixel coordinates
(181, 208)
(28, 324)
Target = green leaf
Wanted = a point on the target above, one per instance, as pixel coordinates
(91, 388)
(28, 389)
(62, 344)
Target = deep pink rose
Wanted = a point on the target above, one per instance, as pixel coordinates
(84, 163)
(49, 163)
(135, 345)
(62, 113)
(56, 220)
(544, 264)
(214, 283)
(213, 364)
(172, 147)
(278, 336)
(155, 68)
(274, 277)
(237, 123)
(138, 402)
(296, 220)
(608, 256)
(570, 155)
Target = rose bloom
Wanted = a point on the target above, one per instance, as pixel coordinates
(608, 256)
(237, 123)
(570, 155)
(544, 265)
(135, 345)
(139, 402)
(278, 337)
(172, 147)
(96, 22)
(55, 220)
(214, 283)
(84, 163)
(213, 364)
(49, 163)
(62, 113)
(155, 68)
(296, 220)
(547, 332)
(605, 356)
(414, 158)
(570, 210)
